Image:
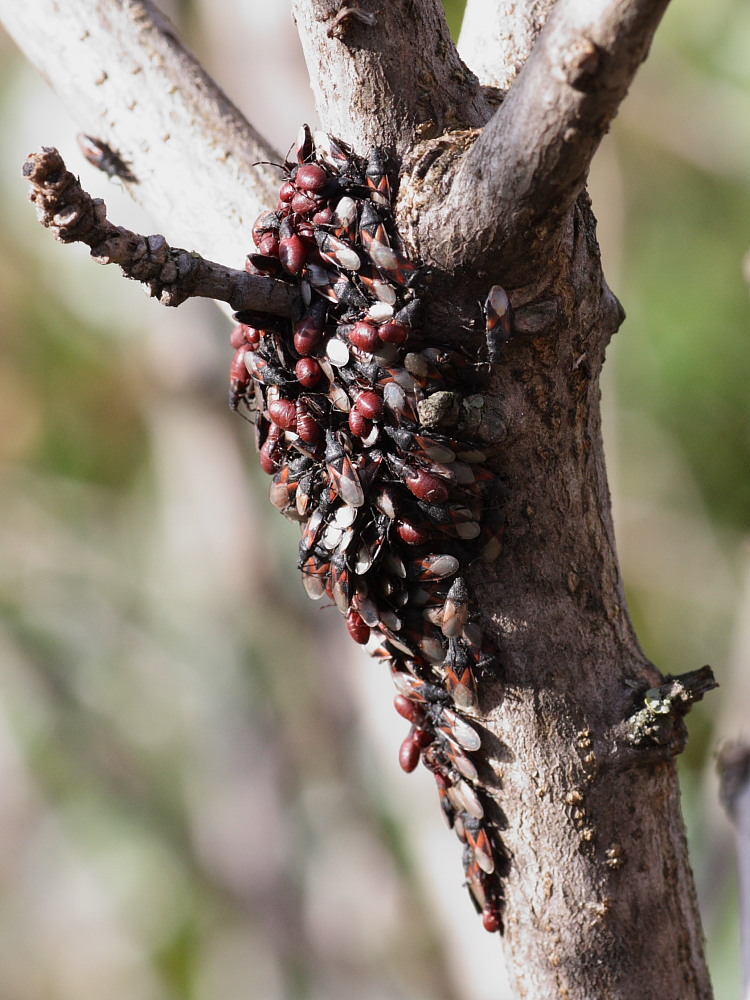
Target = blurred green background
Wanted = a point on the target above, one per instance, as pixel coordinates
(199, 795)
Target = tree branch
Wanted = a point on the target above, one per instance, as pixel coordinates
(382, 72)
(589, 910)
(507, 197)
(497, 37)
(171, 275)
(127, 79)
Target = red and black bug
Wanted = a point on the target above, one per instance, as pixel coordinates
(377, 179)
(343, 220)
(462, 686)
(334, 153)
(455, 612)
(283, 492)
(478, 840)
(337, 252)
(239, 378)
(358, 630)
(304, 144)
(292, 251)
(342, 583)
(497, 311)
(344, 478)
(267, 224)
(485, 891)
(271, 452)
(376, 243)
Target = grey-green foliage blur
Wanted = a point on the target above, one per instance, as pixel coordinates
(199, 794)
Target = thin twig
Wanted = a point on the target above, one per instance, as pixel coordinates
(171, 275)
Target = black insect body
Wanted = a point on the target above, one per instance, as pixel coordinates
(104, 158)
(377, 179)
(358, 421)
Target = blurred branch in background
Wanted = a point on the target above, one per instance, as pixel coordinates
(734, 772)
(197, 849)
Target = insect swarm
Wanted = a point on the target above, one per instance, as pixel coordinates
(391, 510)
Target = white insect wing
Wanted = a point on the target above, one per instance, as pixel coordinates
(461, 732)
(386, 293)
(470, 800)
(337, 352)
(379, 312)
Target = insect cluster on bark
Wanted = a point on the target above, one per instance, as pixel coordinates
(365, 425)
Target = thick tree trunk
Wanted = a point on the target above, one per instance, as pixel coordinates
(578, 728)
(599, 886)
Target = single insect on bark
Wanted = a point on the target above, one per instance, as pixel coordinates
(377, 179)
(497, 311)
(104, 158)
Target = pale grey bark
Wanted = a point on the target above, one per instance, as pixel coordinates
(497, 36)
(127, 79)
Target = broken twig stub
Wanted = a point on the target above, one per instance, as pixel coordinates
(170, 274)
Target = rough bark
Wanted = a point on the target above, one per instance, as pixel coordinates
(504, 201)
(384, 79)
(599, 888)
(579, 729)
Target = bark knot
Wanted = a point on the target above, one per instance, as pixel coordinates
(656, 728)
(581, 63)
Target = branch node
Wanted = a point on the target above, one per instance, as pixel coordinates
(100, 209)
(347, 13)
(156, 245)
(168, 274)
